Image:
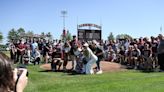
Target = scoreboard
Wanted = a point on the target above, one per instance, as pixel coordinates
(89, 35)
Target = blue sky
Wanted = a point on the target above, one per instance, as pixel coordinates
(134, 17)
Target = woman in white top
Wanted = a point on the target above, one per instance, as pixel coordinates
(90, 57)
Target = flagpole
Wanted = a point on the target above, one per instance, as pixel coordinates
(161, 29)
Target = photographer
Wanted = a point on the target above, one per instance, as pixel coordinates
(9, 79)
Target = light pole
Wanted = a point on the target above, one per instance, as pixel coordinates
(64, 13)
(64, 30)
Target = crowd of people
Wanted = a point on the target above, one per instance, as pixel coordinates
(142, 53)
(82, 54)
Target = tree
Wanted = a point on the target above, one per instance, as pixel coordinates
(30, 33)
(49, 35)
(68, 36)
(12, 34)
(111, 36)
(42, 35)
(21, 32)
(123, 36)
(128, 36)
(16, 34)
(1, 37)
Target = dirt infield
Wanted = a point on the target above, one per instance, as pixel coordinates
(106, 66)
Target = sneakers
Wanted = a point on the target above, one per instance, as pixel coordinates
(99, 72)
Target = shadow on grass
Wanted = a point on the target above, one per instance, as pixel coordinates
(51, 71)
(69, 72)
(143, 70)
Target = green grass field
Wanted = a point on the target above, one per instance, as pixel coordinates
(127, 81)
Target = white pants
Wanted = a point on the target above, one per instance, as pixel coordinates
(89, 65)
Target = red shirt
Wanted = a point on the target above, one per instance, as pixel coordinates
(21, 47)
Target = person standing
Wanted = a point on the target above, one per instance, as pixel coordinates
(73, 45)
(37, 56)
(34, 45)
(99, 53)
(160, 52)
(154, 47)
(45, 50)
(20, 51)
(66, 50)
(12, 51)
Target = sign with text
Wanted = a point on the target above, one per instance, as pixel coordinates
(89, 35)
(89, 25)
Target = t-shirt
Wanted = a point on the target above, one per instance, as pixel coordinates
(122, 52)
(136, 53)
(97, 50)
(66, 49)
(147, 53)
(73, 44)
(21, 46)
(40, 45)
(45, 45)
(34, 45)
(128, 53)
(141, 47)
(154, 47)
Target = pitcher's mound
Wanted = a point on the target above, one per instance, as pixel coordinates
(106, 66)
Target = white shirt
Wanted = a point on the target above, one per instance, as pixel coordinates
(91, 55)
(37, 54)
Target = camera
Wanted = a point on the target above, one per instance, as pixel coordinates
(20, 70)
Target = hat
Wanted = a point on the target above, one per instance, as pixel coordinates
(85, 44)
(95, 42)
